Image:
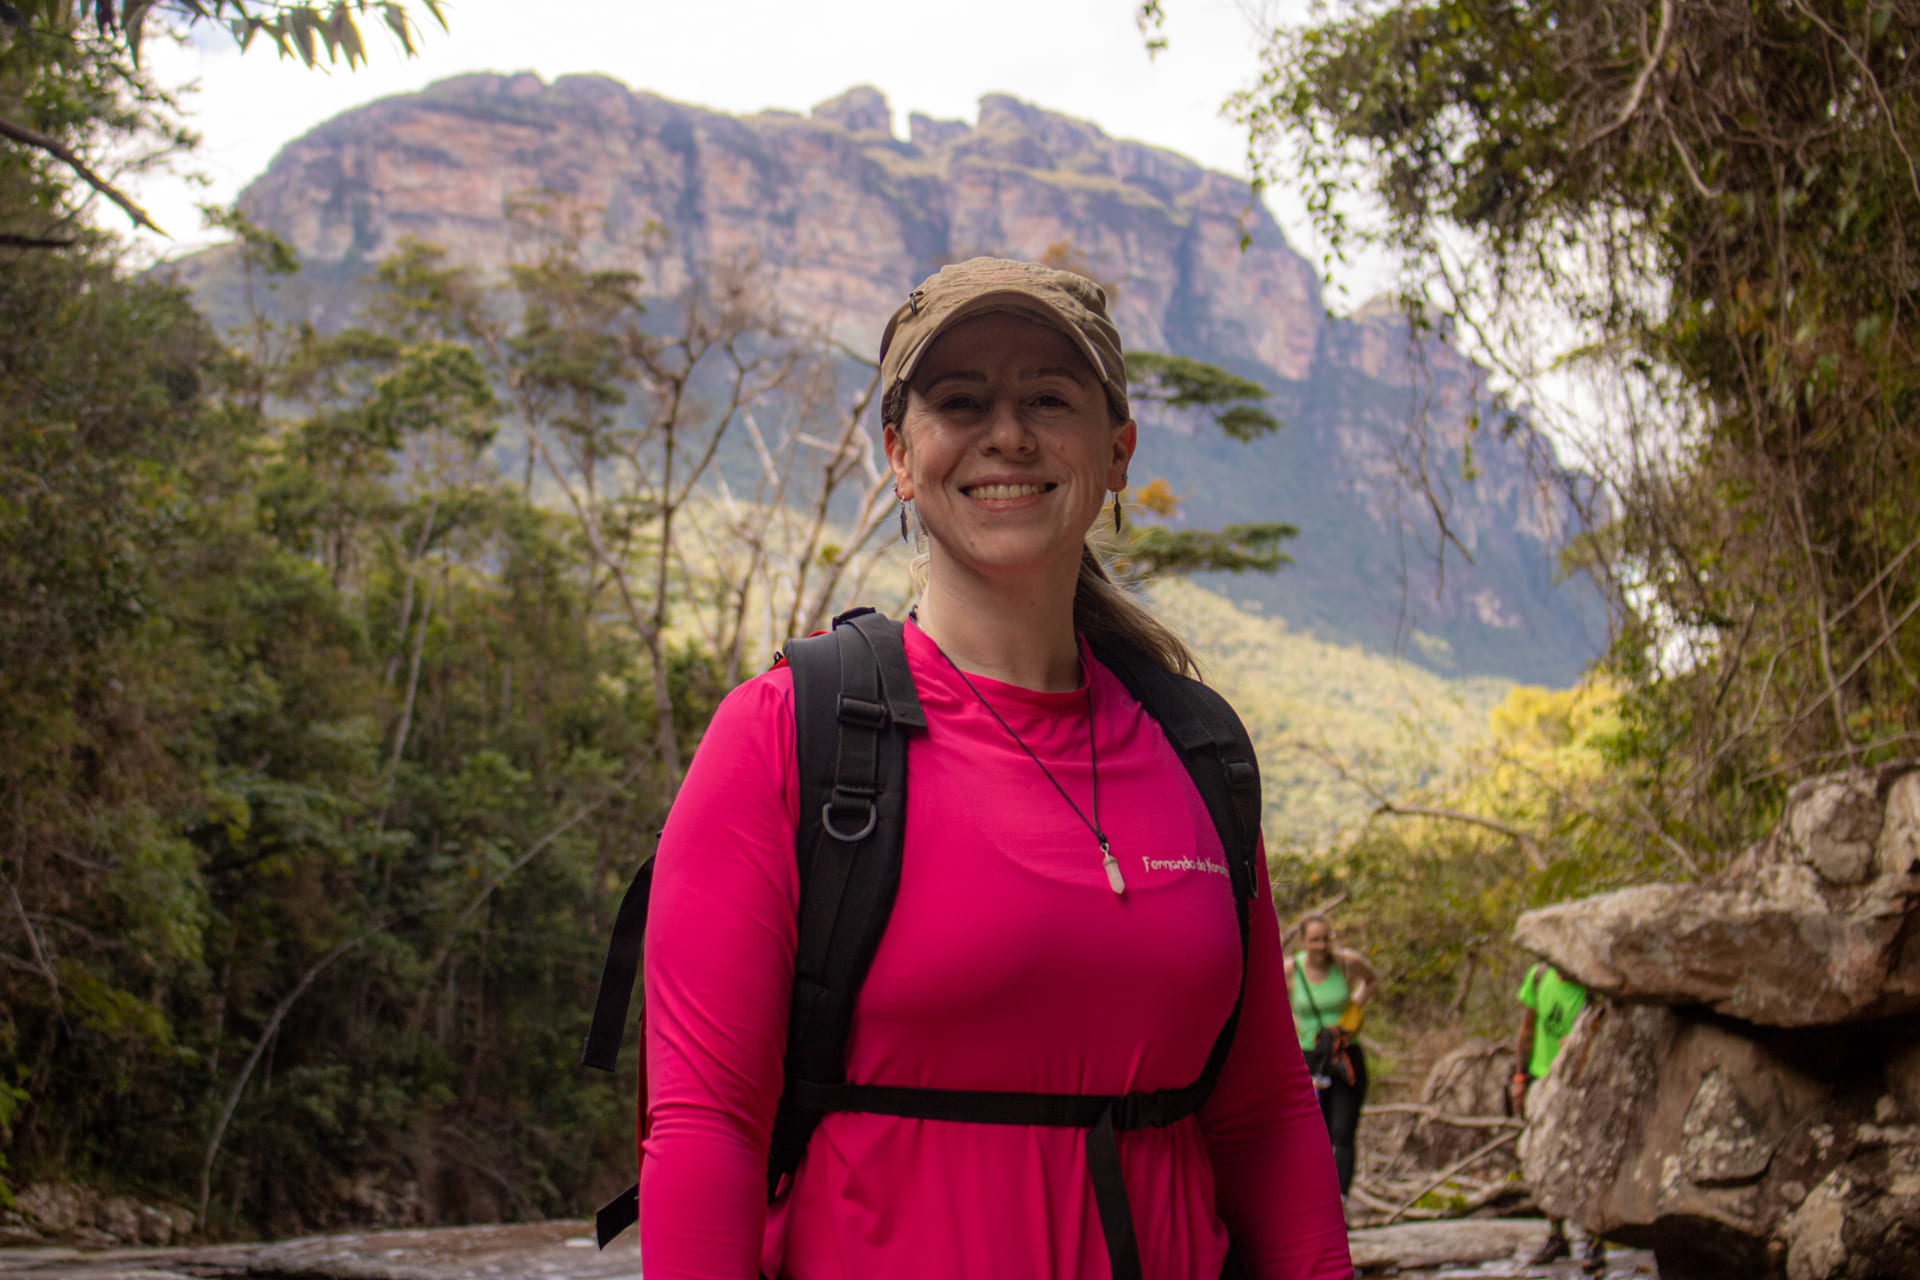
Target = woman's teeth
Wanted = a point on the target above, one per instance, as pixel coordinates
(993, 492)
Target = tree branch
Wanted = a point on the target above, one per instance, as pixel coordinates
(40, 962)
(1456, 1167)
(10, 241)
(59, 151)
(1528, 845)
(1639, 89)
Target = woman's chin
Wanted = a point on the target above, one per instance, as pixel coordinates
(1012, 559)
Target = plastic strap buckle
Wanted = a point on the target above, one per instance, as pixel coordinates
(861, 713)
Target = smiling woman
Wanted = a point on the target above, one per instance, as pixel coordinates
(1070, 1057)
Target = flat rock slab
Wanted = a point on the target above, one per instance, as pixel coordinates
(557, 1250)
(125, 1264)
(551, 1250)
(1480, 1249)
(564, 1251)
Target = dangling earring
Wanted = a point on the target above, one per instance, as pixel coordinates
(1116, 512)
(903, 520)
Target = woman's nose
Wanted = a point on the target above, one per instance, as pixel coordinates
(1007, 429)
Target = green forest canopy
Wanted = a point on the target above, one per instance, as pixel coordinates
(1717, 201)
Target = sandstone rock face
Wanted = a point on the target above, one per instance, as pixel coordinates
(849, 217)
(1748, 1103)
(1811, 927)
(844, 218)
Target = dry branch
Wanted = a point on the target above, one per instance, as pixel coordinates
(60, 151)
(1456, 1167)
(1528, 845)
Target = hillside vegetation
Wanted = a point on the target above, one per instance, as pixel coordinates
(1318, 711)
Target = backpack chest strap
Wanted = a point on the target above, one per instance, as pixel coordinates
(1145, 1110)
(1101, 1116)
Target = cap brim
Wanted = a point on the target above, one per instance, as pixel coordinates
(1015, 300)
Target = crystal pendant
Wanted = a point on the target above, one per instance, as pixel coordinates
(1114, 879)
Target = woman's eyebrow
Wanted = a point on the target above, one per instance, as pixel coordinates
(975, 377)
(956, 375)
(1067, 371)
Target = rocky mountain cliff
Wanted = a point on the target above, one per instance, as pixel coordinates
(849, 217)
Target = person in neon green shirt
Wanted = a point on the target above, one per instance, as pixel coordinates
(1553, 1002)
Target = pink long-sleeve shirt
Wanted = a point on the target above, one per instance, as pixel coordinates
(1008, 964)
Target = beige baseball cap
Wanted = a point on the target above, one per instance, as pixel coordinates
(1073, 304)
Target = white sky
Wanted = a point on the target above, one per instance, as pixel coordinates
(1085, 58)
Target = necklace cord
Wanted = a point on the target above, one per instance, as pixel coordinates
(1093, 754)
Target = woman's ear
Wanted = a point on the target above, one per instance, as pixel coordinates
(1126, 437)
(896, 447)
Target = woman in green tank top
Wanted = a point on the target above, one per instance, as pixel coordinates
(1323, 981)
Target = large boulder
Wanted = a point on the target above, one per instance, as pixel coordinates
(1813, 926)
(1744, 1095)
(1731, 1150)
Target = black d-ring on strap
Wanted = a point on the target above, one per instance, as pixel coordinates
(826, 824)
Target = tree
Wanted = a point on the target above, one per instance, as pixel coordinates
(287, 702)
(1704, 213)
(627, 422)
(1184, 386)
(72, 91)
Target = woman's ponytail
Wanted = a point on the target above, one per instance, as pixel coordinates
(1106, 615)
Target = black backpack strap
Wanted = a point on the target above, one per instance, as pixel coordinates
(1101, 1117)
(1218, 755)
(616, 1215)
(602, 1048)
(854, 708)
(1214, 747)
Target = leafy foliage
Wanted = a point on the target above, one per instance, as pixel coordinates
(70, 96)
(289, 703)
(1714, 203)
(1157, 550)
(1431, 884)
(70, 85)
(1181, 382)
(298, 30)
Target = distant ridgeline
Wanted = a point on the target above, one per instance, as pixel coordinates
(850, 217)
